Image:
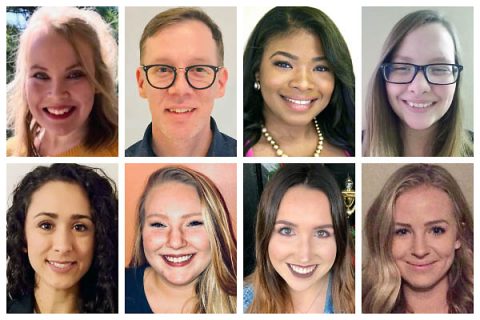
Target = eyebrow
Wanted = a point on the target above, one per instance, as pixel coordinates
(76, 216)
(73, 66)
(164, 216)
(429, 223)
(440, 59)
(294, 57)
(288, 223)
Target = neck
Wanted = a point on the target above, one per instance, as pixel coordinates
(290, 133)
(188, 146)
(51, 300)
(49, 144)
(432, 300)
(311, 300)
(418, 143)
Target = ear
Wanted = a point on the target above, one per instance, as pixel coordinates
(458, 244)
(222, 82)
(257, 76)
(141, 82)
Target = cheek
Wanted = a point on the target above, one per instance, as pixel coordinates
(446, 93)
(152, 240)
(277, 250)
(399, 248)
(199, 240)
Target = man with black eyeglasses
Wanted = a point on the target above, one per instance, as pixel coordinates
(181, 73)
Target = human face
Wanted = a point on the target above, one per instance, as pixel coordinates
(296, 79)
(302, 247)
(60, 235)
(175, 240)
(59, 93)
(181, 112)
(425, 237)
(418, 104)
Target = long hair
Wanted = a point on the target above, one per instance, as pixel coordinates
(383, 127)
(98, 287)
(216, 287)
(78, 27)
(271, 291)
(337, 120)
(382, 283)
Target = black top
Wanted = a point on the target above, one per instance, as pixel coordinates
(221, 146)
(22, 305)
(135, 298)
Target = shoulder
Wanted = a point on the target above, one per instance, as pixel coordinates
(222, 145)
(132, 151)
(21, 305)
(142, 148)
(13, 148)
(135, 299)
(248, 295)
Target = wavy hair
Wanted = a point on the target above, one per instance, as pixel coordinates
(383, 127)
(98, 287)
(77, 27)
(337, 120)
(216, 287)
(382, 283)
(271, 291)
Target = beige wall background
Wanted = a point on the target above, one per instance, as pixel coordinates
(377, 23)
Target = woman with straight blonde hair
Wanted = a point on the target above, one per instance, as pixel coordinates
(62, 100)
(419, 236)
(413, 105)
(185, 252)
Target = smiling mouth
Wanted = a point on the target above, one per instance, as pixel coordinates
(419, 105)
(178, 260)
(61, 266)
(421, 265)
(180, 110)
(59, 112)
(302, 271)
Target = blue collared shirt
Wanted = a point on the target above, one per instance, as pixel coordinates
(221, 146)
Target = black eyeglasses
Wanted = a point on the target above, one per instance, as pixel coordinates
(199, 76)
(435, 73)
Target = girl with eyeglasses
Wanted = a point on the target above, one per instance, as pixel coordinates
(413, 103)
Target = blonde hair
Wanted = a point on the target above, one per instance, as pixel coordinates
(382, 281)
(216, 287)
(77, 26)
(271, 292)
(383, 127)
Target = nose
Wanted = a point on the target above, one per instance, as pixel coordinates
(58, 88)
(304, 249)
(419, 84)
(302, 79)
(176, 238)
(180, 86)
(420, 246)
(63, 240)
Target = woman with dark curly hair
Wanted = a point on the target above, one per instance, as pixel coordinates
(62, 242)
(298, 86)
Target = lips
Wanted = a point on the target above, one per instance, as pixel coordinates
(420, 266)
(419, 105)
(61, 266)
(178, 260)
(180, 110)
(298, 103)
(59, 112)
(302, 271)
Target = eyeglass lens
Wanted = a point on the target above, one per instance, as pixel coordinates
(435, 73)
(198, 77)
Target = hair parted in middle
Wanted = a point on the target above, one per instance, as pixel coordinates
(271, 291)
(382, 281)
(216, 287)
(337, 121)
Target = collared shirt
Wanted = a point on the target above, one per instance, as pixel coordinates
(221, 146)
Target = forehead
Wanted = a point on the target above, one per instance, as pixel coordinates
(302, 204)
(300, 42)
(428, 43)
(172, 197)
(422, 204)
(183, 41)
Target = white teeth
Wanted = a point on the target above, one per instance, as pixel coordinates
(302, 270)
(419, 105)
(60, 265)
(57, 111)
(303, 102)
(182, 110)
(178, 259)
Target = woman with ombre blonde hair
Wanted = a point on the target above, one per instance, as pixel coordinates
(185, 253)
(419, 236)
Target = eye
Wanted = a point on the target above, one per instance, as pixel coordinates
(45, 226)
(157, 225)
(322, 234)
(80, 227)
(322, 69)
(195, 223)
(401, 231)
(286, 231)
(282, 64)
(40, 76)
(436, 230)
(76, 74)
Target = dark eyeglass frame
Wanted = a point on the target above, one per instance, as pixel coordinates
(174, 69)
(422, 68)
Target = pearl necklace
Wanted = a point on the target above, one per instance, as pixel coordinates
(279, 152)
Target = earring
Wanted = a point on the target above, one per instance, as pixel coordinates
(256, 85)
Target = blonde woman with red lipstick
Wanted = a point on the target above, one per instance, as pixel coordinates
(62, 100)
(299, 87)
(184, 258)
(413, 105)
(419, 236)
(303, 246)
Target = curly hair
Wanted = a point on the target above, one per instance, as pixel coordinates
(98, 287)
(271, 291)
(337, 121)
(382, 283)
(216, 287)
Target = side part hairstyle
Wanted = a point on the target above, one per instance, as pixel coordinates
(216, 288)
(78, 27)
(381, 278)
(337, 121)
(271, 291)
(383, 126)
(98, 287)
(177, 15)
